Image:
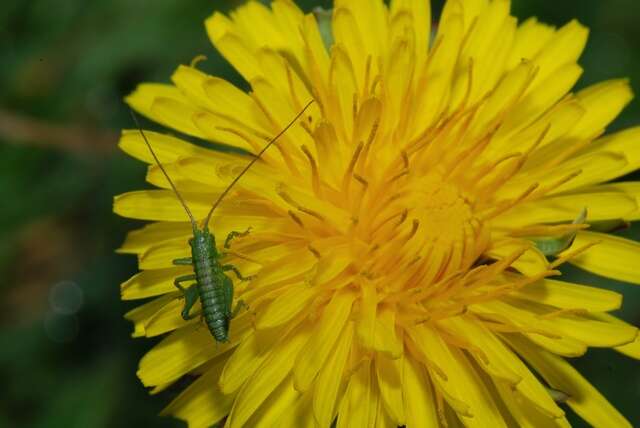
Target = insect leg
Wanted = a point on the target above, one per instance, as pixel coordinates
(190, 298)
(232, 235)
(239, 306)
(227, 288)
(228, 292)
(183, 278)
(183, 261)
(235, 270)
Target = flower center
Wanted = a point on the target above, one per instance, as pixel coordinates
(426, 231)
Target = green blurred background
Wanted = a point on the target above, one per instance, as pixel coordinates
(66, 355)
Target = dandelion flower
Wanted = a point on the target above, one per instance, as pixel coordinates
(406, 234)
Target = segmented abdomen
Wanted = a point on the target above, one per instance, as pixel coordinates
(212, 299)
(214, 309)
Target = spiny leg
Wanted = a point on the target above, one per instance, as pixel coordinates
(190, 298)
(183, 261)
(227, 287)
(183, 278)
(232, 235)
(190, 294)
(235, 270)
(239, 305)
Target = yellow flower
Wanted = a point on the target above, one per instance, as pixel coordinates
(404, 233)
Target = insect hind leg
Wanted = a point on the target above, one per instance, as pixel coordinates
(235, 270)
(240, 304)
(190, 298)
(181, 279)
(233, 235)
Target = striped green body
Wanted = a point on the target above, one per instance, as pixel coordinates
(215, 289)
(212, 286)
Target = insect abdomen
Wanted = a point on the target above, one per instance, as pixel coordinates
(214, 310)
(210, 279)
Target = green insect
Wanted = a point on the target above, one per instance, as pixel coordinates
(212, 286)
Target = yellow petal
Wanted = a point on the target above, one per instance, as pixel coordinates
(600, 205)
(531, 36)
(383, 419)
(564, 47)
(190, 81)
(541, 331)
(167, 148)
(285, 74)
(185, 350)
(283, 404)
(273, 370)
(161, 205)
(319, 209)
(349, 39)
(587, 169)
(389, 376)
(343, 87)
(286, 306)
(435, 85)
(360, 402)
(602, 103)
(546, 132)
(366, 323)
(584, 399)
(326, 333)
(169, 318)
(487, 46)
(420, 12)
(386, 338)
(231, 46)
(630, 349)
(419, 401)
(330, 379)
(526, 415)
(538, 100)
(140, 315)
(500, 362)
(317, 59)
(144, 96)
(291, 266)
(166, 105)
(151, 283)
(280, 111)
(567, 295)
(463, 389)
(241, 365)
(371, 23)
(488, 351)
(400, 73)
(140, 240)
(202, 402)
(289, 19)
(161, 256)
(629, 188)
(622, 143)
(502, 98)
(297, 414)
(530, 263)
(612, 257)
(604, 159)
(582, 328)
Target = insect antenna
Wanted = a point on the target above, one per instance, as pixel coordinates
(184, 204)
(254, 160)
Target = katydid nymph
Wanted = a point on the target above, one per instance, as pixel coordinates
(209, 283)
